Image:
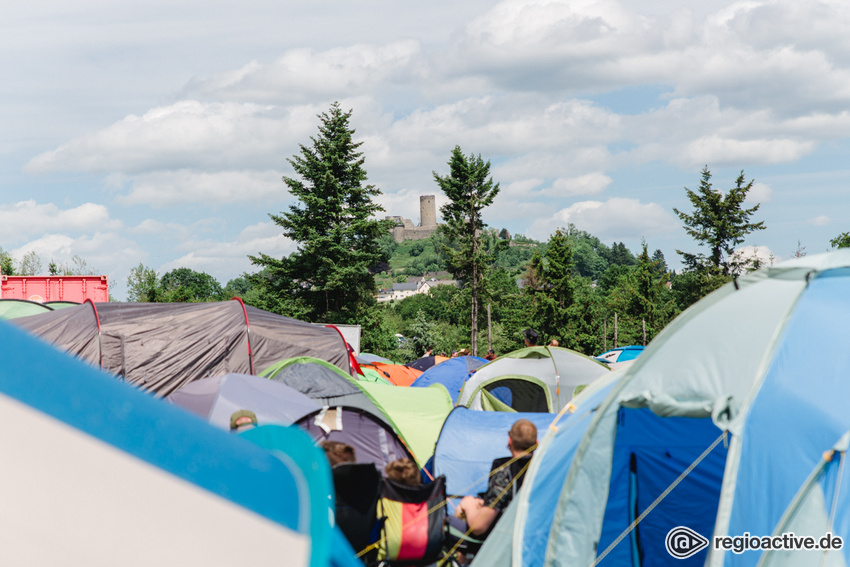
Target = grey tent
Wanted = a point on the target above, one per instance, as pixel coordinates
(324, 383)
(217, 397)
(161, 346)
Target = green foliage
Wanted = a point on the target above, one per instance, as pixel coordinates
(691, 286)
(470, 189)
(641, 298)
(7, 263)
(422, 334)
(187, 285)
(718, 222)
(841, 241)
(143, 285)
(333, 222)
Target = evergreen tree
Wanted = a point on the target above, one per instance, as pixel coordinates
(333, 222)
(470, 189)
(719, 222)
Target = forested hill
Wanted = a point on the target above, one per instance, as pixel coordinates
(593, 258)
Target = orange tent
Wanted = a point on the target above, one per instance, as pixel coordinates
(398, 374)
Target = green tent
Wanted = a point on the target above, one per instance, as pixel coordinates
(14, 308)
(418, 414)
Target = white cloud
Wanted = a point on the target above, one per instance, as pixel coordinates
(822, 220)
(759, 193)
(26, 218)
(303, 74)
(615, 219)
(183, 135)
(168, 188)
(227, 259)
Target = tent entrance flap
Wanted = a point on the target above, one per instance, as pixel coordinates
(650, 454)
(518, 393)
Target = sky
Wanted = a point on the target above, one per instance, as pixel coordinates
(157, 132)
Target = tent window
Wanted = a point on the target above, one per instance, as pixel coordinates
(520, 395)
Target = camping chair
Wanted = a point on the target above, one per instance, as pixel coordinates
(413, 527)
(358, 487)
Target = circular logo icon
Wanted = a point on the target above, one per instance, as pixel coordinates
(683, 542)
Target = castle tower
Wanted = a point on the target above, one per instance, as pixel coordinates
(427, 211)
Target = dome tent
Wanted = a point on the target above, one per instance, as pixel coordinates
(754, 374)
(531, 379)
(158, 347)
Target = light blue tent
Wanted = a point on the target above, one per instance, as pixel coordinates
(732, 421)
(451, 373)
(520, 534)
(98, 473)
(470, 440)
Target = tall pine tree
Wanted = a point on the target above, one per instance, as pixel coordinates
(333, 222)
(470, 189)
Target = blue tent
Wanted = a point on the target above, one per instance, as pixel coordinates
(99, 473)
(520, 533)
(621, 354)
(451, 373)
(747, 436)
(470, 440)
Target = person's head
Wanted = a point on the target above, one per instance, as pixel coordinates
(463, 352)
(554, 342)
(338, 452)
(531, 337)
(522, 436)
(403, 471)
(242, 419)
(491, 355)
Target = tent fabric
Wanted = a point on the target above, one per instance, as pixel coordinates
(324, 383)
(217, 397)
(397, 374)
(159, 347)
(560, 370)
(452, 374)
(88, 447)
(374, 440)
(469, 442)
(621, 354)
(426, 362)
(749, 357)
(417, 414)
(519, 537)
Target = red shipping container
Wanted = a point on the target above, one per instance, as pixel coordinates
(55, 288)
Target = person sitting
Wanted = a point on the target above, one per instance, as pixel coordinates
(242, 420)
(506, 477)
(338, 452)
(404, 471)
(491, 355)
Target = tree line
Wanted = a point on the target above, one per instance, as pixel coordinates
(572, 288)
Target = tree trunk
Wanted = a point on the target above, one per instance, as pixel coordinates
(489, 329)
(615, 330)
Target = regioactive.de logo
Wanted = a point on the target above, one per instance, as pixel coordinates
(683, 542)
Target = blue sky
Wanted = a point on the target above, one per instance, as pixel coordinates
(158, 132)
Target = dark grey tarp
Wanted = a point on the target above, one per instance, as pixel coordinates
(373, 440)
(161, 346)
(217, 397)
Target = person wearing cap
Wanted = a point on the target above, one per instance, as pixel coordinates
(242, 420)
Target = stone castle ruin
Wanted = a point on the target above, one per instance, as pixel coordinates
(404, 228)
